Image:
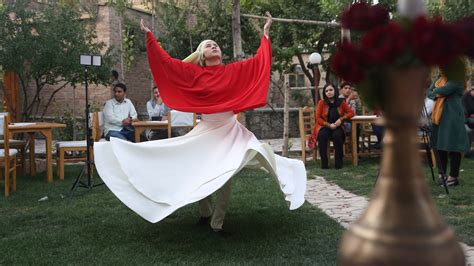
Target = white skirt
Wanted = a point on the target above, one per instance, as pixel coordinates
(156, 178)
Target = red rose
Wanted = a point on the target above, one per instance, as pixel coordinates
(384, 43)
(347, 63)
(466, 27)
(362, 16)
(378, 15)
(435, 42)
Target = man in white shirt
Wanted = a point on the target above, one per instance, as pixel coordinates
(119, 113)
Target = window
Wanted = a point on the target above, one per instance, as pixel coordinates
(296, 77)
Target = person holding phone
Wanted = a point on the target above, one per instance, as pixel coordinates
(157, 111)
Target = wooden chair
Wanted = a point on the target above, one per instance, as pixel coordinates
(366, 133)
(307, 122)
(8, 158)
(177, 119)
(79, 146)
(306, 125)
(422, 149)
(18, 144)
(98, 126)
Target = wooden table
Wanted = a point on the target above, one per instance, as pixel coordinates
(140, 126)
(356, 120)
(47, 130)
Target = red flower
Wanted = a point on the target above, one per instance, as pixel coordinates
(362, 16)
(384, 43)
(466, 27)
(347, 63)
(436, 43)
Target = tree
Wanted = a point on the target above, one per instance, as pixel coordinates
(451, 9)
(42, 46)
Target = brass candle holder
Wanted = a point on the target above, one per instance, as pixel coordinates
(401, 225)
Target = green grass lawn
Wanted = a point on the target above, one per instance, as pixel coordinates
(457, 207)
(95, 227)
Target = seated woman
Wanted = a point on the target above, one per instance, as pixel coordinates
(157, 111)
(330, 114)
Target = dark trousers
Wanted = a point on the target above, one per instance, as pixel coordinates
(124, 134)
(337, 136)
(378, 132)
(455, 162)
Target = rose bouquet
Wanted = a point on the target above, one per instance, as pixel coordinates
(398, 43)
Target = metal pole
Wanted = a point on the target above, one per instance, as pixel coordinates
(302, 21)
(317, 77)
(88, 133)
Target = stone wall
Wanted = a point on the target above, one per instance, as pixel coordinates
(267, 123)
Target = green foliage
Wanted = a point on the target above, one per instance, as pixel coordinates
(129, 42)
(332, 9)
(212, 21)
(43, 47)
(291, 39)
(176, 36)
(451, 10)
(288, 38)
(64, 116)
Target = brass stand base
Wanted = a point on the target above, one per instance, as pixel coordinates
(401, 225)
(368, 246)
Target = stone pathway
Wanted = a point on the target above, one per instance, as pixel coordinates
(277, 144)
(345, 207)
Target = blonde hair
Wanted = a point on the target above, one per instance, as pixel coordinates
(197, 57)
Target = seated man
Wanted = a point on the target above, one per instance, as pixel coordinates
(352, 99)
(119, 113)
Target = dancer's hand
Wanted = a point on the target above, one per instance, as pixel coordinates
(338, 122)
(143, 27)
(266, 28)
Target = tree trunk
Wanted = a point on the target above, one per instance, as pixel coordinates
(237, 41)
(236, 37)
(286, 121)
(74, 133)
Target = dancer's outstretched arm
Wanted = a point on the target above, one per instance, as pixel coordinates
(162, 64)
(266, 27)
(143, 27)
(260, 63)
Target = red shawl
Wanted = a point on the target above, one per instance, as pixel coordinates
(186, 87)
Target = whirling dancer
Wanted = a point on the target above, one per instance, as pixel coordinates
(156, 178)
